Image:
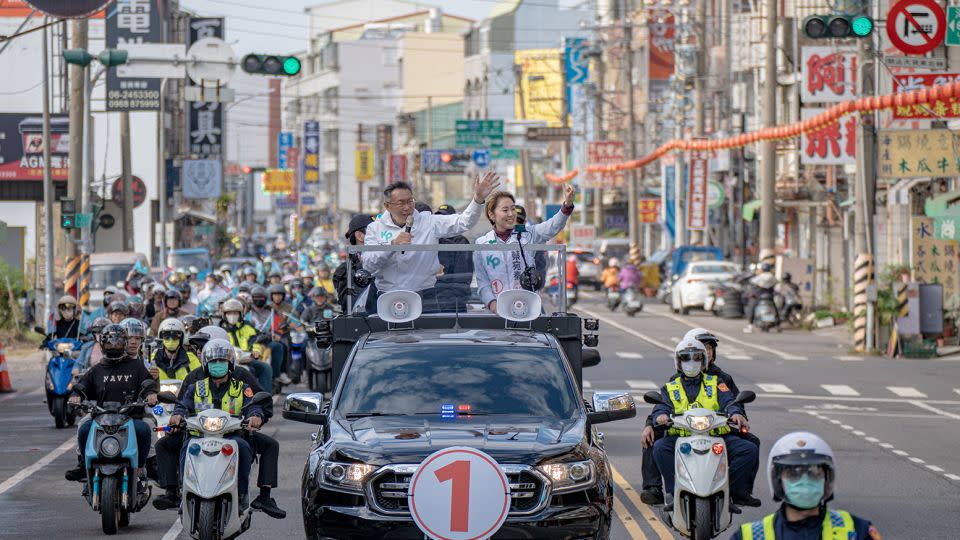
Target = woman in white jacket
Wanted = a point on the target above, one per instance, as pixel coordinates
(499, 271)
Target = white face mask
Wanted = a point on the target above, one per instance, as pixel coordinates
(232, 318)
(691, 368)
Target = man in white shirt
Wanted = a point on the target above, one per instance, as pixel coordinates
(402, 225)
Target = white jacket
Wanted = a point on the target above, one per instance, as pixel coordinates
(412, 271)
(499, 271)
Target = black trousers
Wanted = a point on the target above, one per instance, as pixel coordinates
(168, 459)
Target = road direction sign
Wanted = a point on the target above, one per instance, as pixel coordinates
(953, 25)
(481, 158)
(916, 26)
(921, 62)
(479, 133)
(459, 493)
(544, 134)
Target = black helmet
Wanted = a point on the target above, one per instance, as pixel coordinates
(113, 343)
(218, 349)
(787, 277)
(244, 287)
(118, 305)
(259, 295)
(184, 287)
(766, 267)
(98, 324)
(277, 289)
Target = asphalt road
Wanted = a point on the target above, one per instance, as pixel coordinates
(892, 424)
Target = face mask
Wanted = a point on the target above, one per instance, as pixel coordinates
(804, 493)
(171, 344)
(217, 369)
(259, 302)
(690, 368)
(232, 318)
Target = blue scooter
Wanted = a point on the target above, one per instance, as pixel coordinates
(59, 378)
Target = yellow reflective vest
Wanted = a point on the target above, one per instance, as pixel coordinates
(706, 399)
(181, 372)
(231, 402)
(240, 336)
(837, 525)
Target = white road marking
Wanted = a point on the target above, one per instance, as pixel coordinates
(587, 384)
(864, 399)
(916, 460)
(933, 409)
(846, 427)
(872, 439)
(642, 385)
(630, 355)
(900, 452)
(775, 388)
(849, 358)
(906, 391)
(732, 339)
(615, 324)
(859, 433)
(839, 389)
(886, 445)
(952, 476)
(736, 357)
(957, 390)
(9, 483)
(174, 531)
(934, 468)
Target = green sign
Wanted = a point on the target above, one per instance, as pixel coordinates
(715, 194)
(480, 133)
(83, 221)
(953, 25)
(505, 154)
(946, 228)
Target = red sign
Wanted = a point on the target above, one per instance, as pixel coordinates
(697, 210)
(21, 146)
(941, 108)
(398, 167)
(649, 210)
(916, 26)
(662, 31)
(139, 191)
(833, 144)
(603, 152)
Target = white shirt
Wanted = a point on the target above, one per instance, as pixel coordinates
(499, 271)
(412, 271)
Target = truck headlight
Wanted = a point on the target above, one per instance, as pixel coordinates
(569, 476)
(347, 476)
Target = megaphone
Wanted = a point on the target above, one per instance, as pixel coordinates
(518, 305)
(399, 306)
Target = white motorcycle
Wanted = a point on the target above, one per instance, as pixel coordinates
(632, 302)
(701, 493)
(211, 499)
(163, 411)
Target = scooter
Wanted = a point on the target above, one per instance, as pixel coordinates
(613, 299)
(211, 500)
(632, 302)
(701, 493)
(62, 373)
(789, 304)
(298, 343)
(163, 411)
(113, 487)
(320, 357)
(765, 312)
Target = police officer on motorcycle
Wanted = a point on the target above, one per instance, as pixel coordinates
(174, 361)
(694, 387)
(800, 470)
(242, 336)
(117, 378)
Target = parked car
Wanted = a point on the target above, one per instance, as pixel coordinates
(691, 289)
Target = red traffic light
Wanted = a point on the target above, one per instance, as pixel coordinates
(247, 169)
(446, 157)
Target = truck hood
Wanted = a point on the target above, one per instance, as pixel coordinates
(404, 439)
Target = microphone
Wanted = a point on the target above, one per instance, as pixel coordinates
(407, 228)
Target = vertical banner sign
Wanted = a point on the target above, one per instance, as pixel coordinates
(667, 217)
(284, 143)
(384, 148)
(829, 74)
(662, 31)
(833, 144)
(364, 162)
(398, 168)
(311, 157)
(206, 124)
(576, 66)
(132, 21)
(697, 211)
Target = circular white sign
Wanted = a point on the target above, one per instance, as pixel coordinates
(459, 493)
(210, 59)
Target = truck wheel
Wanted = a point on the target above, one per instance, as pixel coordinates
(109, 505)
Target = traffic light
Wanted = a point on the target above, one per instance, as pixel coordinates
(113, 57)
(837, 26)
(68, 213)
(270, 64)
(78, 57)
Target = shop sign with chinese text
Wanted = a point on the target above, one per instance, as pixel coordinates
(934, 260)
(602, 153)
(697, 211)
(834, 144)
(941, 108)
(649, 210)
(829, 74)
(918, 153)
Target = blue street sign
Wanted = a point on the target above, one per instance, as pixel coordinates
(284, 143)
(481, 157)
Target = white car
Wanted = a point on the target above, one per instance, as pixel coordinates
(692, 288)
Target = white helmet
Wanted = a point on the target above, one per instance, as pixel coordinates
(215, 332)
(690, 349)
(613, 262)
(171, 325)
(799, 448)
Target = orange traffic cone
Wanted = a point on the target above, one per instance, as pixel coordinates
(4, 375)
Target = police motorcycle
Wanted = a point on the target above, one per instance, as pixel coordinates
(61, 374)
(701, 493)
(110, 455)
(209, 508)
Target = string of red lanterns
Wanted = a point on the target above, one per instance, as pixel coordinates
(563, 179)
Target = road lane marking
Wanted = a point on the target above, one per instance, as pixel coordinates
(839, 389)
(933, 409)
(849, 358)
(736, 357)
(642, 385)
(916, 460)
(934, 468)
(630, 355)
(872, 414)
(952, 476)
(859, 399)
(9, 483)
(174, 531)
(633, 528)
(653, 521)
(906, 391)
(34, 392)
(775, 388)
(957, 390)
(587, 384)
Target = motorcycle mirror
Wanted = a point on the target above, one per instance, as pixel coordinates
(745, 396)
(652, 397)
(260, 398)
(39, 330)
(590, 357)
(167, 397)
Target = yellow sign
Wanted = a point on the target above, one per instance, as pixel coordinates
(541, 86)
(278, 180)
(919, 153)
(933, 260)
(364, 156)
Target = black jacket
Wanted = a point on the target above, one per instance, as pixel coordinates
(120, 383)
(340, 284)
(457, 265)
(67, 329)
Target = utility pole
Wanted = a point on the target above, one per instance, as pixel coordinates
(633, 218)
(162, 175)
(601, 136)
(528, 193)
(864, 194)
(699, 82)
(360, 185)
(768, 148)
(48, 192)
(78, 74)
(680, 179)
(126, 176)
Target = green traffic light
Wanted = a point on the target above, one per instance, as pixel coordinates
(77, 57)
(291, 65)
(862, 26)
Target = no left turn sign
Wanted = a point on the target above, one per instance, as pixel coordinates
(459, 493)
(916, 26)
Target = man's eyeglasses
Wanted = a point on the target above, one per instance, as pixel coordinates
(406, 202)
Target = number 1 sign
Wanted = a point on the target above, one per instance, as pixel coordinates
(459, 493)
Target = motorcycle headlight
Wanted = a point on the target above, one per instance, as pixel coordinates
(213, 423)
(109, 447)
(569, 476)
(699, 423)
(64, 348)
(348, 476)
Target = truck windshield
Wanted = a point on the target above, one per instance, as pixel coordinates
(489, 379)
(103, 276)
(186, 260)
